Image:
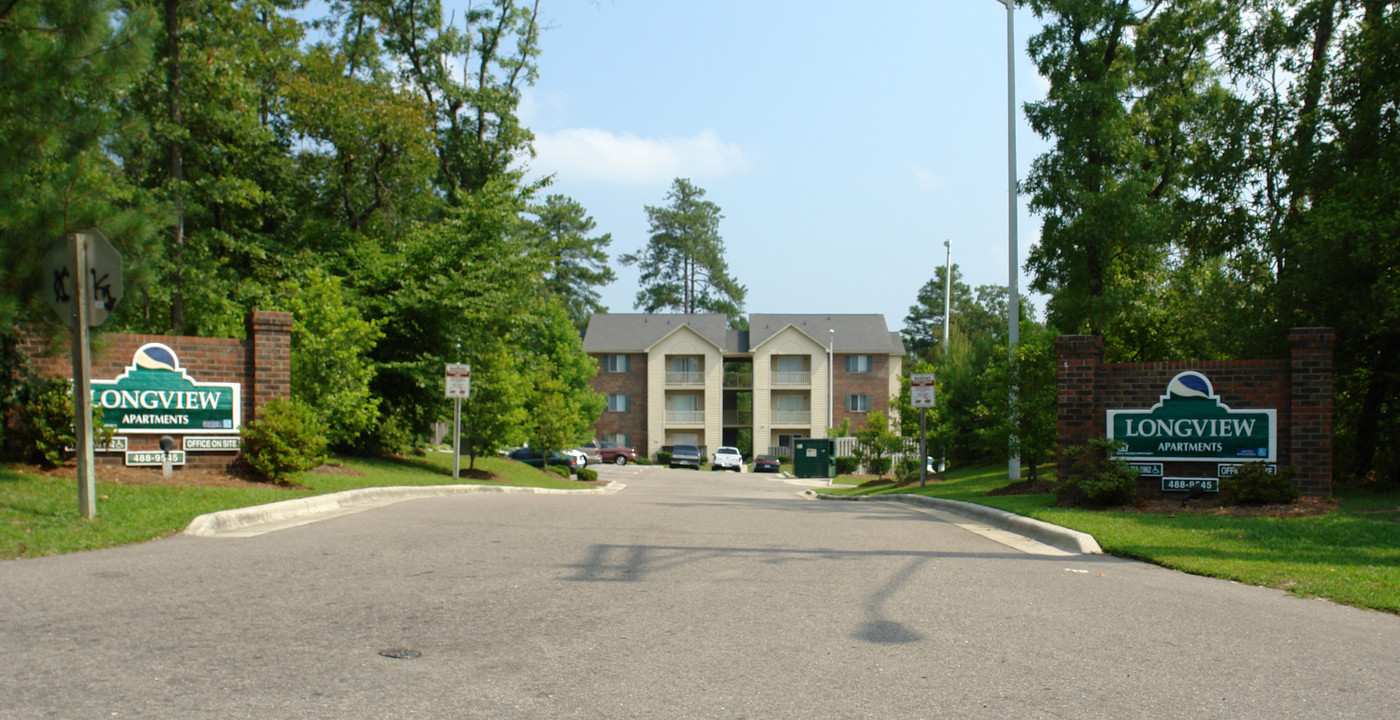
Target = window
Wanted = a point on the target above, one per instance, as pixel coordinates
(685, 403)
(858, 363)
(790, 403)
(621, 439)
(617, 363)
(790, 363)
(685, 364)
(617, 403)
(857, 403)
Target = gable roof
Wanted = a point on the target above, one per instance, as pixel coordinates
(636, 332)
(854, 333)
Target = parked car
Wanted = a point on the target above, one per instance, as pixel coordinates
(609, 452)
(582, 458)
(766, 463)
(535, 459)
(685, 456)
(727, 458)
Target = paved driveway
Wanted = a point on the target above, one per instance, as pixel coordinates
(688, 595)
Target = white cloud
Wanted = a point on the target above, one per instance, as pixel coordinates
(927, 179)
(589, 155)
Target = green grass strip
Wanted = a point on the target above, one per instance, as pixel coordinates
(39, 514)
(1350, 556)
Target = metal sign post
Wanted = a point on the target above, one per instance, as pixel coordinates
(83, 282)
(921, 391)
(459, 386)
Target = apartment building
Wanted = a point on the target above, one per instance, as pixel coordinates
(687, 379)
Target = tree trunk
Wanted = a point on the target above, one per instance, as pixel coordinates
(177, 163)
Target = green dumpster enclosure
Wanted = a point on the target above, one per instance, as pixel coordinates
(814, 457)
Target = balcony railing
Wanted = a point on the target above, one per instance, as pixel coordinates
(791, 377)
(685, 377)
(788, 418)
(685, 417)
(738, 417)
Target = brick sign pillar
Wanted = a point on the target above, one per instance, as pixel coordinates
(1081, 418)
(269, 349)
(1310, 390)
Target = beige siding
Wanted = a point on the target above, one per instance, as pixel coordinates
(685, 341)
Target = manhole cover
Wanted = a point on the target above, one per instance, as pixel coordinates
(401, 654)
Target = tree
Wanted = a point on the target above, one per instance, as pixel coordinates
(495, 415)
(562, 405)
(683, 266)
(1129, 85)
(876, 443)
(980, 315)
(68, 69)
(575, 264)
(331, 356)
(1029, 426)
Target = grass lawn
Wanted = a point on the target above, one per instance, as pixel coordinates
(39, 514)
(1350, 555)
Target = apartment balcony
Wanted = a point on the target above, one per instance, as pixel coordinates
(791, 378)
(738, 380)
(679, 418)
(791, 418)
(685, 378)
(738, 418)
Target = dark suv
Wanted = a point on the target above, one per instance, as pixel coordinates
(685, 456)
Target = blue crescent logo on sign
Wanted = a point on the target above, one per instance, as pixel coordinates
(156, 357)
(1190, 384)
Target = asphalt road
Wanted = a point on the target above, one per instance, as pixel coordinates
(687, 595)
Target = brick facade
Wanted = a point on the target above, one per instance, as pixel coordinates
(1298, 388)
(261, 364)
(875, 383)
(633, 384)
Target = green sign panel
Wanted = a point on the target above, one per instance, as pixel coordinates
(1189, 423)
(156, 395)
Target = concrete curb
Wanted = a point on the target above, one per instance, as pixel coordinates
(1071, 541)
(305, 510)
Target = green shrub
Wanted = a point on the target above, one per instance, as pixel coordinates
(284, 440)
(783, 459)
(663, 457)
(1095, 478)
(587, 475)
(1253, 484)
(46, 421)
(560, 470)
(906, 469)
(878, 466)
(846, 465)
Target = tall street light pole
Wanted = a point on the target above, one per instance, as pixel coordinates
(831, 379)
(1013, 305)
(947, 290)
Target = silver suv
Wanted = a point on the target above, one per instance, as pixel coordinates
(727, 458)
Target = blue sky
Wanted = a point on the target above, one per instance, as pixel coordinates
(844, 142)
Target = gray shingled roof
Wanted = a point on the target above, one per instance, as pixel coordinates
(635, 332)
(854, 333)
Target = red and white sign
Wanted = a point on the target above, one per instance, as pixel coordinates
(459, 381)
(921, 390)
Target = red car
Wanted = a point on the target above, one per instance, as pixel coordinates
(766, 463)
(609, 452)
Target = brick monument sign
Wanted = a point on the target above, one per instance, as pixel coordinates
(1183, 424)
(198, 391)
